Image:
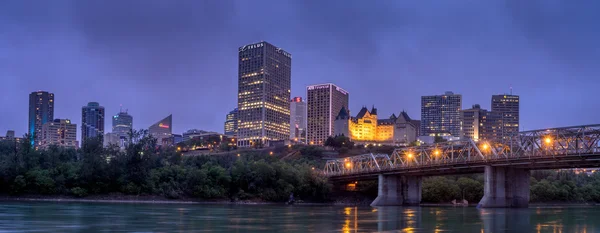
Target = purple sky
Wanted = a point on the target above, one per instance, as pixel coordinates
(157, 57)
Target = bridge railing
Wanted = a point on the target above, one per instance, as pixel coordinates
(556, 142)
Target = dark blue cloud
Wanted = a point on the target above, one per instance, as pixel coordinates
(160, 57)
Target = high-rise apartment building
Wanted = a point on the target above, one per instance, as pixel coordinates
(508, 107)
(263, 94)
(441, 114)
(162, 131)
(60, 132)
(231, 123)
(324, 102)
(298, 120)
(41, 110)
(92, 122)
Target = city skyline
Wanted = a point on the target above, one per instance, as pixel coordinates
(406, 56)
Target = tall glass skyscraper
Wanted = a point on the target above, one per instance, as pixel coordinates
(324, 102)
(41, 110)
(264, 82)
(507, 106)
(440, 114)
(298, 120)
(122, 123)
(92, 122)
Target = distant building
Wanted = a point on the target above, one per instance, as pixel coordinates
(263, 94)
(177, 138)
(10, 136)
(297, 120)
(366, 128)
(60, 132)
(122, 124)
(112, 139)
(324, 102)
(92, 122)
(41, 110)
(508, 107)
(441, 114)
(480, 124)
(231, 123)
(162, 131)
(197, 133)
(417, 124)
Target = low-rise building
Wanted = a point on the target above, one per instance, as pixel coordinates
(366, 128)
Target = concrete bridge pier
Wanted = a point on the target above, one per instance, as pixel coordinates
(394, 190)
(505, 187)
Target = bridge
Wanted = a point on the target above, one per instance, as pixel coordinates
(506, 164)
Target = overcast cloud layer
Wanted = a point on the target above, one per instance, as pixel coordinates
(157, 57)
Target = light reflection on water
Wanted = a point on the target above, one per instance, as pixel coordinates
(94, 217)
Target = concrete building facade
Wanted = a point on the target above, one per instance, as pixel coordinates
(508, 107)
(60, 132)
(324, 102)
(264, 86)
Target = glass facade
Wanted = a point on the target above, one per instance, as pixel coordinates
(41, 110)
(231, 122)
(264, 82)
(297, 120)
(441, 114)
(162, 131)
(92, 121)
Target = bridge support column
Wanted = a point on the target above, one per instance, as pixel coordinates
(394, 190)
(505, 187)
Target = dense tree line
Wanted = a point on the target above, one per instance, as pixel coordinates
(545, 186)
(143, 168)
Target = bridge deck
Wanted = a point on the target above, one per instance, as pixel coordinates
(566, 147)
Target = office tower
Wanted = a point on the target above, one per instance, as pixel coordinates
(441, 114)
(60, 132)
(263, 94)
(231, 123)
(491, 126)
(471, 121)
(41, 110)
(92, 122)
(162, 131)
(324, 102)
(297, 120)
(122, 124)
(508, 107)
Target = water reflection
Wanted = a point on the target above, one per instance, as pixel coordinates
(80, 217)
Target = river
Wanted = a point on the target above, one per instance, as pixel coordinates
(128, 217)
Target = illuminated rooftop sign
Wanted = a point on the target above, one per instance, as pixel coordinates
(163, 126)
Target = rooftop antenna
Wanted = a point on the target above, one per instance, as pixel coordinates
(510, 89)
(120, 107)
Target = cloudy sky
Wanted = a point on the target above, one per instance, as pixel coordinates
(157, 57)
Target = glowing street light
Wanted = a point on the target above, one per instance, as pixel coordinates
(348, 164)
(485, 146)
(271, 153)
(410, 155)
(548, 140)
(437, 152)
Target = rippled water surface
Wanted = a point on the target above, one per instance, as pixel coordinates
(95, 217)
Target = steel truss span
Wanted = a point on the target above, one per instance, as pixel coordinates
(565, 147)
